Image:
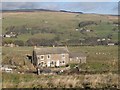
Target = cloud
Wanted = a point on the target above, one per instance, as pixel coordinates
(93, 7)
(18, 5)
(51, 6)
(84, 6)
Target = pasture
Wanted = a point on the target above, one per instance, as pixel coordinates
(98, 57)
(58, 24)
(49, 25)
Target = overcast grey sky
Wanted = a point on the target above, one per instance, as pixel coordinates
(85, 7)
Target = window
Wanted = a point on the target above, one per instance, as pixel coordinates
(52, 62)
(42, 63)
(63, 55)
(48, 57)
(38, 58)
(63, 62)
(42, 57)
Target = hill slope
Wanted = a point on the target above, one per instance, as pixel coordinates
(61, 25)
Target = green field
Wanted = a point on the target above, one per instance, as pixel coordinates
(61, 27)
(99, 58)
(62, 24)
(99, 63)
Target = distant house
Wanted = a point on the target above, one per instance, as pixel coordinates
(82, 30)
(98, 40)
(10, 35)
(88, 30)
(9, 45)
(76, 29)
(103, 39)
(50, 56)
(55, 57)
(115, 24)
(5, 69)
(77, 58)
(111, 44)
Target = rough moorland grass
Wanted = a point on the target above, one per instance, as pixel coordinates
(59, 81)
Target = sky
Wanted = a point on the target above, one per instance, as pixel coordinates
(85, 7)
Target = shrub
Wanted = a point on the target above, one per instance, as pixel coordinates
(85, 23)
(19, 42)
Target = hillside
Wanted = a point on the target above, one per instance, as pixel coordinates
(47, 28)
(60, 27)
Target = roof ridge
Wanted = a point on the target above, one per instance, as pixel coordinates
(52, 50)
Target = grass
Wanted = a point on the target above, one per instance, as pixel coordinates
(65, 23)
(94, 62)
(60, 22)
(98, 57)
(102, 61)
(58, 81)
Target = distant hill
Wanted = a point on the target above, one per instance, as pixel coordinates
(61, 27)
(34, 10)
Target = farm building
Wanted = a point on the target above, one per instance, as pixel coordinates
(111, 44)
(50, 56)
(55, 57)
(77, 58)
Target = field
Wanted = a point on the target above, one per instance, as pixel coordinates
(98, 57)
(61, 27)
(64, 24)
(60, 81)
(95, 62)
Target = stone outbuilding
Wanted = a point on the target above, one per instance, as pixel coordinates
(77, 57)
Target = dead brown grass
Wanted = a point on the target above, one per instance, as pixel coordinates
(70, 81)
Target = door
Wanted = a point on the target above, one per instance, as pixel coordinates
(57, 63)
(48, 64)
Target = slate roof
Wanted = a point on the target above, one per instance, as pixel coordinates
(51, 50)
(74, 54)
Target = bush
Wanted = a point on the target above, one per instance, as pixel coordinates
(7, 41)
(83, 24)
(19, 42)
(40, 42)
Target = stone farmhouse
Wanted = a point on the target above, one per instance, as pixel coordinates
(54, 57)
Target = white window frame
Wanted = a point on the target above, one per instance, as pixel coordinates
(41, 58)
(77, 58)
